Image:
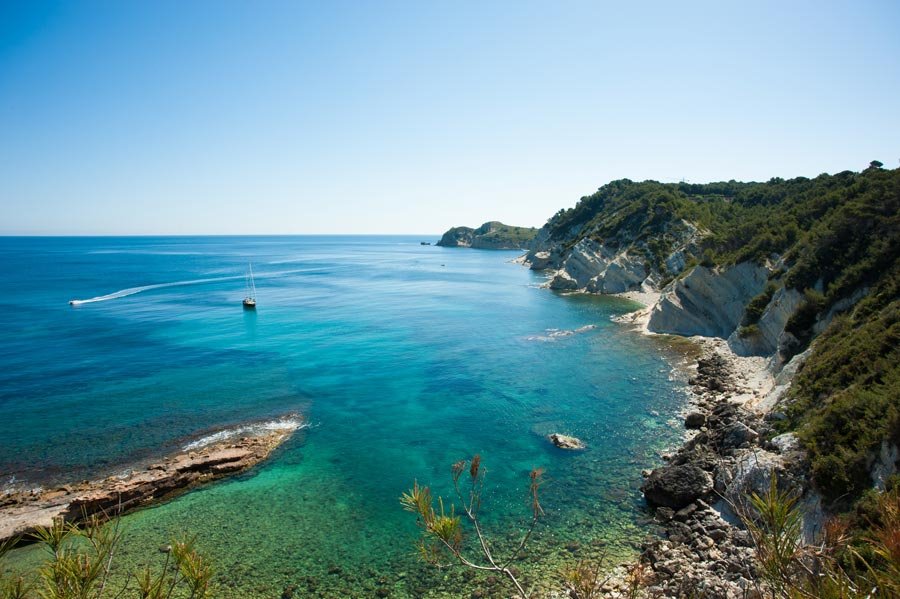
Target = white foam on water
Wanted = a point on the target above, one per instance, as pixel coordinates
(554, 334)
(290, 423)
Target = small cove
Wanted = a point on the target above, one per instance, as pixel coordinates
(402, 358)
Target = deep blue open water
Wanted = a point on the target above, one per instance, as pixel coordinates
(401, 358)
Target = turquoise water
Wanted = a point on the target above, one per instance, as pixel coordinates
(401, 358)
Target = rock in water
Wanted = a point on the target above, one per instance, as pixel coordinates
(676, 486)
(565, 441)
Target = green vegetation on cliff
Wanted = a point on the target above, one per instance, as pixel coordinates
(836, 239)
(842, 229)
(846, 399)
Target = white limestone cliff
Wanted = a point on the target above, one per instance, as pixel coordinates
(708, 301)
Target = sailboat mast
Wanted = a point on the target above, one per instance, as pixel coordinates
(250, 301)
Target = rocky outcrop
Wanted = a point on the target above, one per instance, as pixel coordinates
(596, 268)
(612, 266)
(708, 301)
(885, 464)
(491, 235)
(23, 512)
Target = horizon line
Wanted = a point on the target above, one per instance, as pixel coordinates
(96, 235)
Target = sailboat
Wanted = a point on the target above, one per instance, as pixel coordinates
(250, 300)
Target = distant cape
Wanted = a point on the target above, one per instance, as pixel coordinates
(491, 235)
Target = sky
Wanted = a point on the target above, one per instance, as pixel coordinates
(218, 117)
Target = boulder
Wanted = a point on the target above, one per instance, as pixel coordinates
(738, 433)
(540, 260)
(563, 282)
(565, 441)
(786, 443)
(694, 420)
(676, 487)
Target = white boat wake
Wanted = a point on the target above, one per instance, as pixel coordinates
(133, 290)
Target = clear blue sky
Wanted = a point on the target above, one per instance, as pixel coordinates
(383, 117)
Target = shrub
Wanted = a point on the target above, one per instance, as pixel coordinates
(442, 529)
(754, 310)
(841, 564)
(80, 561)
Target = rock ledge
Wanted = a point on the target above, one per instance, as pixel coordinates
(22, 512)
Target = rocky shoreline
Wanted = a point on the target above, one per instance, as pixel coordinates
(704, 550)
(225, 454)
(730, 448)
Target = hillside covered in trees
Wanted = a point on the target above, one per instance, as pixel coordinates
(832, 242)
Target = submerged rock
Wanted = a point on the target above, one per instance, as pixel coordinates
(565, 441)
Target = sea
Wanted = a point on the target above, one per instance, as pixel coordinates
(396, 359)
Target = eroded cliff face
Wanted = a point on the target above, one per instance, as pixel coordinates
(708, 301)
(658, 252)
(621, 264)
(593, 267)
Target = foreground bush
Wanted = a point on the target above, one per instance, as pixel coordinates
(843, 564)
(80, 560)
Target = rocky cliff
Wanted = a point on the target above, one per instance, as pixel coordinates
(804, 273)
(694, 299)
(491, 235)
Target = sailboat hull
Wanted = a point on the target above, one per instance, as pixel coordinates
(249, 304)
